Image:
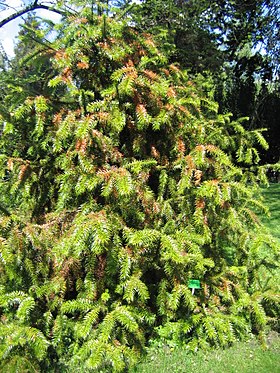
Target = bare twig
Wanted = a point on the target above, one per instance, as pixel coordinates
(30, 8)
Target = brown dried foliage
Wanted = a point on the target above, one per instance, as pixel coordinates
(197, 176)
(181, 146)
(82, 65)
(100, 266)
(81, 145)
(141, 110)
(24, 172)
(171, 92)
(151, 75)
(200, 203)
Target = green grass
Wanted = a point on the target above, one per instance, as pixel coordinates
(243, 357)
(271, 196)
(272, 200)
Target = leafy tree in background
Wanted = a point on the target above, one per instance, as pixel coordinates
(188, 37)
(205, 33)
(125, 182)
(235, 41)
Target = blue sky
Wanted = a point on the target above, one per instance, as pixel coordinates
(8, 32)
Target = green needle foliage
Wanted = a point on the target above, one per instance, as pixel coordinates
(123, 183)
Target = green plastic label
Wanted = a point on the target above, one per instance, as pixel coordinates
(194, 284)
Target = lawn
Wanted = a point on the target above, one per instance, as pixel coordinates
(243, 357)
(272, 199)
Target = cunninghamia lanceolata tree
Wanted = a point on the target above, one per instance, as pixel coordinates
(138, 186)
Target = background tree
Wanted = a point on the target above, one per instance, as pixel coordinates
(235, 41)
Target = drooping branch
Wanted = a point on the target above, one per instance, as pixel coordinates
(28, 9)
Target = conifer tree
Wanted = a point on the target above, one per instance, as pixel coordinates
(126, 183)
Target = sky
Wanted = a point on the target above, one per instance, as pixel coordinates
(9, 31)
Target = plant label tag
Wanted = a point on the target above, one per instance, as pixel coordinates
(194, 284)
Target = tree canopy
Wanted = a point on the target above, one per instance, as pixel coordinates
(235, 41)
